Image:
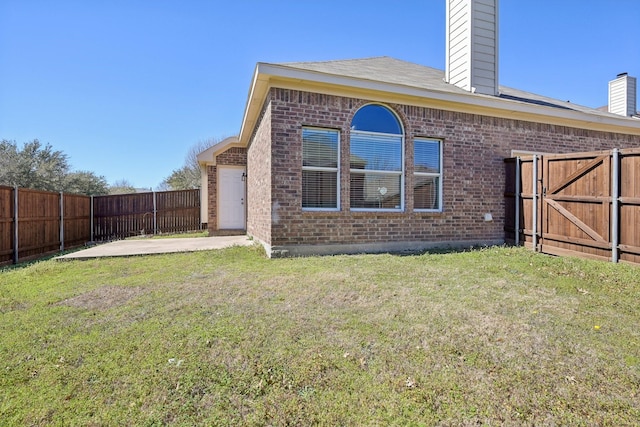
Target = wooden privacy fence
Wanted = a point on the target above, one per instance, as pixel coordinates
(124, 215)
(584, 204)
(35, 223)
(47, 222)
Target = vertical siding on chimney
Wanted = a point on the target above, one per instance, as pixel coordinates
(622, 95)
(458, 69)
(472, 45)
(485, 47)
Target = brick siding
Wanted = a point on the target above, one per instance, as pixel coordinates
(259, 179)
(474, 147)
(212, 199)
(234, 156)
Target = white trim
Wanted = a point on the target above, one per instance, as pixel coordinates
(272, 75)
(257, 93)
(377, 172)
(381, 104)
(377, 210)
(324, 169)
(208, 156)
(321, 209)
(374, 134)
(440, 207)
(437, 175)
(218, 202)
(381, 172)
(319, 169)
(388, 173)
(488, 101)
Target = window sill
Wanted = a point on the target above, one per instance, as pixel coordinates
(377, 210)
(320, 210)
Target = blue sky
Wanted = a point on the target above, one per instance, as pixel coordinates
(125, 88)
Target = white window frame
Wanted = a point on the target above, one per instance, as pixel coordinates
(383, 172)
(429, 174)
(323, 169)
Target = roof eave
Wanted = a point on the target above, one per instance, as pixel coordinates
(272, 75)
(208, 156)
(255, 99)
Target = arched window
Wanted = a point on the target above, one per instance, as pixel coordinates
(377, 160)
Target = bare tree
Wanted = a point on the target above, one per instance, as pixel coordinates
(188, 176)
(121, 186)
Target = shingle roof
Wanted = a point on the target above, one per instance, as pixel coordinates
(385, 69)
(382, 69)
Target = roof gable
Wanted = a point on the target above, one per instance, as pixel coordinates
(208, 156)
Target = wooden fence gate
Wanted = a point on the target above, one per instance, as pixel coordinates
(584, 204)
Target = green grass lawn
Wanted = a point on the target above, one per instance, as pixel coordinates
(498, 336)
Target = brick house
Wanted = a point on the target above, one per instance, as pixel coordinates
(379, 154)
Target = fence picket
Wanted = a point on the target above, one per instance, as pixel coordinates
(36, 223)
(595, 201)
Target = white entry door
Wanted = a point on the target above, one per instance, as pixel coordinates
(231, 208)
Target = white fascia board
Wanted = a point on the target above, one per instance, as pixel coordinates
(255, 99)
(208, 156)
(205, 157)
(514, 109)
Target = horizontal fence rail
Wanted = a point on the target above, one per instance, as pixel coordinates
(584, 204)
(37, 223)
(124, 215)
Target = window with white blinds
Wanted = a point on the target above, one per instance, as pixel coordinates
(320, 169)
(427, 178)
(376, 163)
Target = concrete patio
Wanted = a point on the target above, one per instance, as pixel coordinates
(122, 248)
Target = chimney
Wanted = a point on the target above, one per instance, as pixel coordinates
(622, 95)
(472, 45)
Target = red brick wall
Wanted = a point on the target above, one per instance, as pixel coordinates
(236, 156)
(259, 179)
(212, 199)
(473, 171)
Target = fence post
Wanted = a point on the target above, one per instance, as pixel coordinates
(155, 214)
(517, 223)
(91, 217)
(61, 221)
(15, 224)
(615, 204)
(199, 199)
(535, 203)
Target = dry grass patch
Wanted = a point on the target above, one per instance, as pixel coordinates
(499, 336)
(102, 298)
